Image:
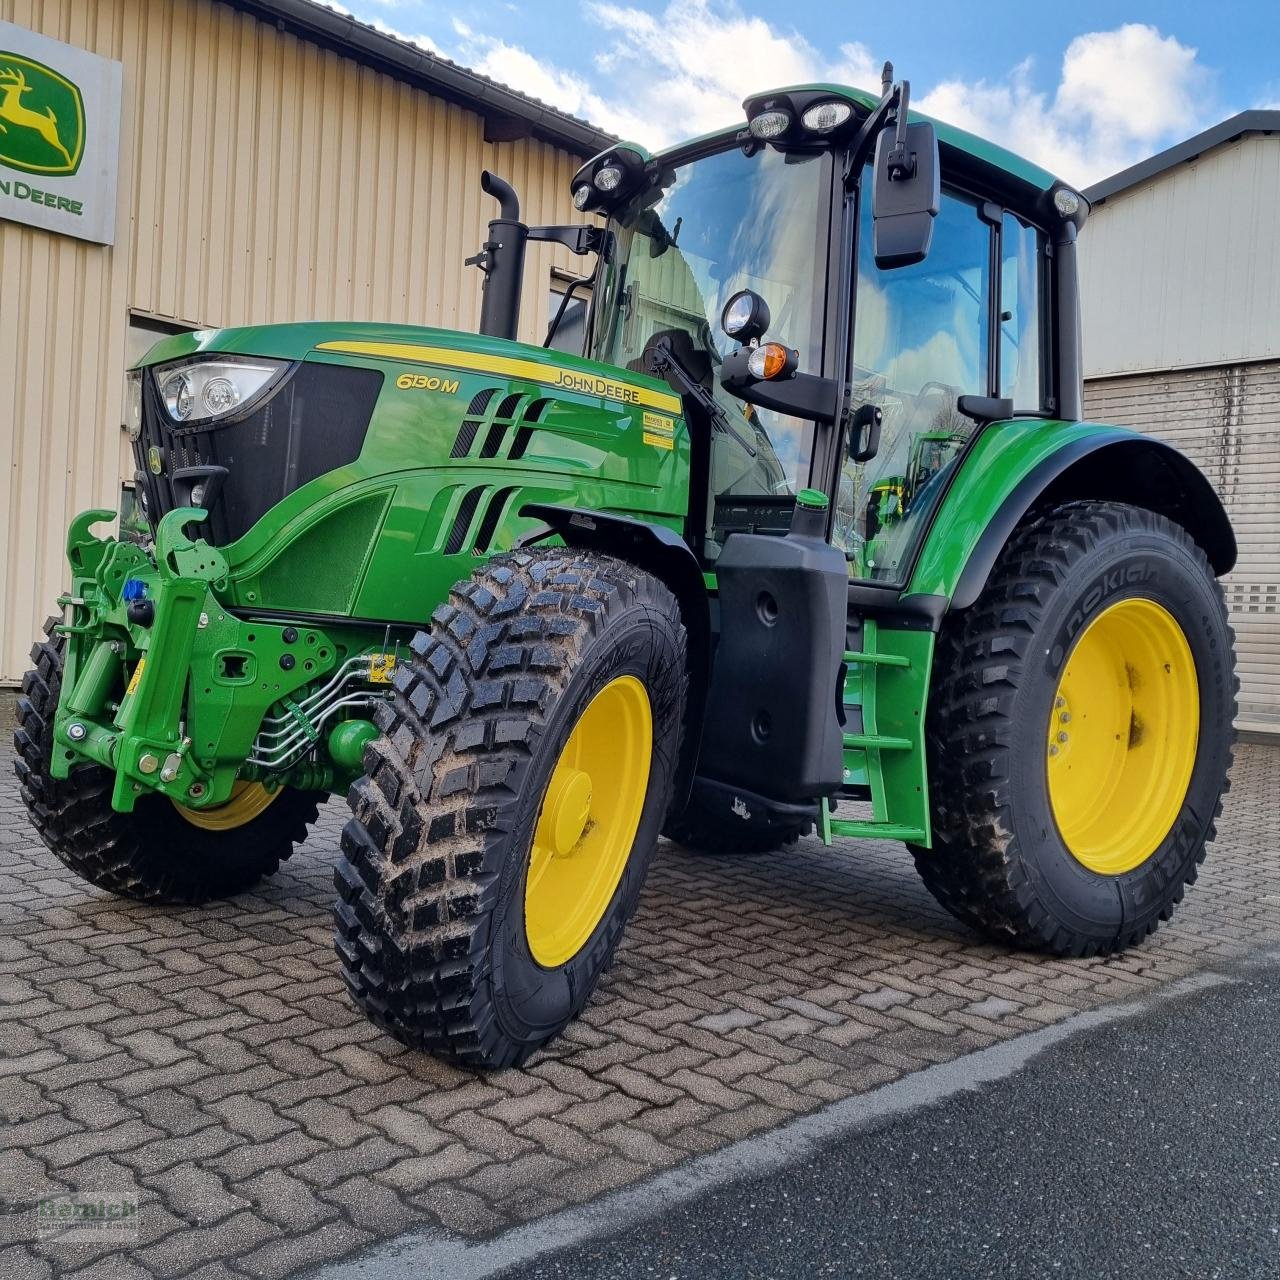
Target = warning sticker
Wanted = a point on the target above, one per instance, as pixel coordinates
(659, 430)
(137, 675)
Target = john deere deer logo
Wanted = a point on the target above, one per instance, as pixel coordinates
(41, 118)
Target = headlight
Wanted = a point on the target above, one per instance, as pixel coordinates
(204, 390)
(825, 116)
(133, 403)
(1066, 202)
(770, 124)
(607, 179)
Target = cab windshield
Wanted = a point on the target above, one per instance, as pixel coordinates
(711, 227)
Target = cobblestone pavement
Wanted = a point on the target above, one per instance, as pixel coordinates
(208, 1060)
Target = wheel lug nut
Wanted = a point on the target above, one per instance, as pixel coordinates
(1065, 717)
(1059, 702)
(1053, 750)
(1062, 737)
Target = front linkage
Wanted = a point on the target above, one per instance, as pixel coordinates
(209, 700)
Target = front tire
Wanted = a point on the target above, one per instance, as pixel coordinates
(157, 853)
(1080, 732)
(501, 835)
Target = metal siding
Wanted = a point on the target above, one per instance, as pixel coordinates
(1227, 420)
(262, 179)
(1185, 269)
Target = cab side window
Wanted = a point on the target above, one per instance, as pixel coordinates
(1021, 254)
(921, 340)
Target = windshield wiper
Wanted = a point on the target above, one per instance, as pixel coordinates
(663, 361)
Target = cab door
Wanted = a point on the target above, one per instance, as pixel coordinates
(965, 321)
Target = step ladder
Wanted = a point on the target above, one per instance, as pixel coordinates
(889, 764)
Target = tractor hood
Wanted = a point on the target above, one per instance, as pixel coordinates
(293, 436)
(413, 346)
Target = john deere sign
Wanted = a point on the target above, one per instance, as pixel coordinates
(59, 135)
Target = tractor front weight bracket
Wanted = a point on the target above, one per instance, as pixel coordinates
(197, 681)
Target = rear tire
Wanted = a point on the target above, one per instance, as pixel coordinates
(999, 860)
(444, 857)
(152, 854)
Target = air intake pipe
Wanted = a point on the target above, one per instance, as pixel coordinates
(502, 261)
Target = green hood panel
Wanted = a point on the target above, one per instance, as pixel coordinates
(409, 343)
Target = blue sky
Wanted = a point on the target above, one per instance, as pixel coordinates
(1085, 88)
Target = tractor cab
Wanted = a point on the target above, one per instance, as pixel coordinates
(841, 301)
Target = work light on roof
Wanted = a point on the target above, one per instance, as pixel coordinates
(608, 178)
(581, 196)
(1066, 202)
(823, 117)
(770, 124)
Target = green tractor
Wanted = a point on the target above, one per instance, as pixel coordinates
(812, 523)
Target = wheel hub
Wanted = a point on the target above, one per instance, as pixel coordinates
(566, 809)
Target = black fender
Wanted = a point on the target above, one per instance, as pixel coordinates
(663, 553)
(1113, 467)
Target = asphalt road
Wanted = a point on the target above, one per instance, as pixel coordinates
(1147, 1147)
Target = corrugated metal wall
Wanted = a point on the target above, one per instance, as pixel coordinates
(262, 179)
(1227, 420)
(1185, 269)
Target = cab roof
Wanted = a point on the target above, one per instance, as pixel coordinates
(980, 149)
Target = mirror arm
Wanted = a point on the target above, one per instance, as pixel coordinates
(578, 240)
(867, 135)
(803, 395)
(900, 161)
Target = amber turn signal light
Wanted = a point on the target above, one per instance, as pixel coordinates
(772, 360)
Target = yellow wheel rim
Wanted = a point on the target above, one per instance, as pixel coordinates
(248, 799)
(588, 821)
(1123, 732)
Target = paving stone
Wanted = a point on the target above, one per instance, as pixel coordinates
(372, 1206)
(286, 1200)
(184, 1250)
(730, 1020)
(884, 998)
(414, 1172)
(994, 1007)
(332, 1165)
(209, 1058)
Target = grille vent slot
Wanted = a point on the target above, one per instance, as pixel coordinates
(525, 431)
(492, 515)
(472, 422)
(462, 521)
(493, 422)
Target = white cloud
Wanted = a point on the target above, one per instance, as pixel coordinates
(666, 76)
(657, 77)
(1121, 95)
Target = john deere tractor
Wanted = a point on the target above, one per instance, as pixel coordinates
(811, 535)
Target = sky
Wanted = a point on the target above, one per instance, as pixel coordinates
(1084, 89)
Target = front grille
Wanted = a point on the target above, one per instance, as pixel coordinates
(315, 422)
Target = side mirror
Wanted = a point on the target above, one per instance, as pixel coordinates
(906, 196)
